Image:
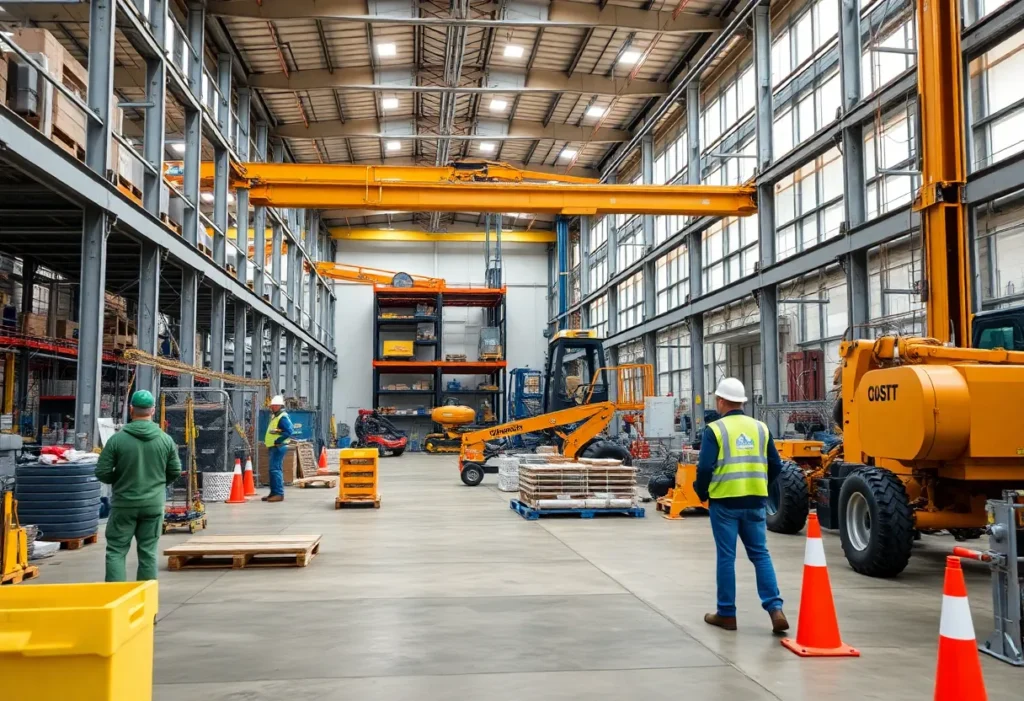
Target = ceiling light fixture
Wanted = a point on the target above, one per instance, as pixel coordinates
(568, 153)
(628, 58)
(206, 197)
(387, 50)
(498, 105)
(595, 111)
(389, 103)
(393, 146)
(513, 51)
(178, 147)
(487, 146)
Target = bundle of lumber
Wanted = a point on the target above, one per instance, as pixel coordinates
(587, 484)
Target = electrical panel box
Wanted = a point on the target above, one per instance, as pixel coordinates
(659, 417)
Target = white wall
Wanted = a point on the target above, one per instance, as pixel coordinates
(525, 274)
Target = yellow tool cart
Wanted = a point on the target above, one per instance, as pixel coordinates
(357, 478)
(87, 642)
(398, 350)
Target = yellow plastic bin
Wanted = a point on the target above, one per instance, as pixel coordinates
(81, 642)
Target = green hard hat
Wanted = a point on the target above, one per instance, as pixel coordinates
(143, 399)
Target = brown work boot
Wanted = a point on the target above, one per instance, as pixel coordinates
(724, 622)
(267, 498)
(779, 622)
(275, 497)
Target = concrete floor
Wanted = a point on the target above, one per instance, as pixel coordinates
(444, 593)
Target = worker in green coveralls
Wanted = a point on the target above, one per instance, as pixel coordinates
(139, 461)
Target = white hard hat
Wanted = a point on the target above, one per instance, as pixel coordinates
(731, 390)
(278, 400)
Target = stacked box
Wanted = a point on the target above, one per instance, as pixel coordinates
(32, 324)
(67, 120)
(67, 329)
(3, 76)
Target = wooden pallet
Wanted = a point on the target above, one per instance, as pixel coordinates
(329, 482)
(490, 356)
(532, 514)
(73, 543)
(243, 552)
(22, 575)
(339, 503)
(455, 358)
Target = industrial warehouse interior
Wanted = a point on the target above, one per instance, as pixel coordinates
(408, 349)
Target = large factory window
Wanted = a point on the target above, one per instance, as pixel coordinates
(997, 102)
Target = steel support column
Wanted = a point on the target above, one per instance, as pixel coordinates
(149, 312)
(695, 254)
(289, 360)
(650, 280)
(293, 287)
(585, 224)
(193, 122)
(102, 15)
(28, 293)
(242, 194)
(259, 220)
(562, 271)
(156, 102)
(92, 282)
(856, 263)
(258, 356)
(767, 297)
(277, 241)
(275, 360)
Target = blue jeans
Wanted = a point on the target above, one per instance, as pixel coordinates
(276, 469)
(751, 527)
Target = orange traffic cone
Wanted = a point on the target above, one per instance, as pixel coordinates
(817, 630)
(321, 468)
(959, 670)
(248, 483)
(237, 495)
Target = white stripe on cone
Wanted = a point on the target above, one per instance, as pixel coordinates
(814, 553)
(956, 623)
(238, 468)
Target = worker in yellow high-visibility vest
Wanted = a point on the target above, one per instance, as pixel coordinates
(279, 430)
(737, 462)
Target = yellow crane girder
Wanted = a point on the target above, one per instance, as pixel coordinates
(475, 187)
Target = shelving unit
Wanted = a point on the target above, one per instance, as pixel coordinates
(395, 308)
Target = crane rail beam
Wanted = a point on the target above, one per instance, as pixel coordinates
(474, 186)
(529, 198)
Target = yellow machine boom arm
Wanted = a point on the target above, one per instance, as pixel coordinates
(594, 417)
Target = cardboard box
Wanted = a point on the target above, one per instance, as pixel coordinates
(67, 329)
(398, 349)
(3, 76)
(32, 324)
(68, 121)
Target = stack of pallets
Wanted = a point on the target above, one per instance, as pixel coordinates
(587, 487)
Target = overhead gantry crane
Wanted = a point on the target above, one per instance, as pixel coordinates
(476, 186)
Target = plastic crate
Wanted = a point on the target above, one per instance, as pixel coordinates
(87, 642)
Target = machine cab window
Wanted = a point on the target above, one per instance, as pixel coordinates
(1003, 328)
(575, 373)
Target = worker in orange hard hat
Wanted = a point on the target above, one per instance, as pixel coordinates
(279, 431)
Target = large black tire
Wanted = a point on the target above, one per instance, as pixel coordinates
(68, 533)
(56, 482)
(59, 500)
(472, 474)
(85, 513)
(788, 501)
(659, 485)
(607, 449)
(876, 523)
(54, 471)
(397, 451)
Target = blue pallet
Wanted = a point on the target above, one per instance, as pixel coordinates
(532, 514)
